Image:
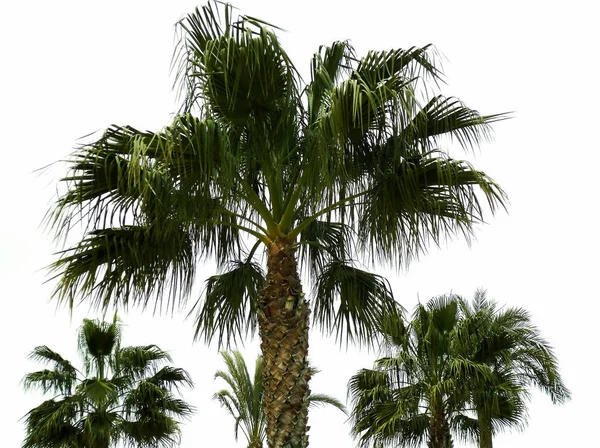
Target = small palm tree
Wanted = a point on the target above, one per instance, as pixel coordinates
(454, 359)
(519, 358)
(120, 395)
(244, 398)
(260, 165)
(416, 394)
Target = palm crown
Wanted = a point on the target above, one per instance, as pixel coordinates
(457, 368)
(346, 165)
(505, 340)
(120, 395)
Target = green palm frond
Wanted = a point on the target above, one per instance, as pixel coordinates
(97, 390)
(170, 378)
(229, 306)
(466, 428)
(128, 265)
(244, 399)
(351, 302)
(139, 361)
(98, 339)
(58, 380)
(327, 67)
(322, 242)
(213, 48)
(421, 201)
(160, 431)
(54, 423)
(323, 399)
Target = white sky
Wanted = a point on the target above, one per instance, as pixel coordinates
(70, 68)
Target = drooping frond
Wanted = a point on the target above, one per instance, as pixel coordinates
(58, 380)
(322, 242)
(229, 304)
(422, 200)
(126, 266)
(351, 302)
(323, 399)
(54, 423)
(383, 415)
(171, 378)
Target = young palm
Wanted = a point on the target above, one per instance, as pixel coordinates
(244, 398)
(122, 395)
(519, 358)
(258, 163)
(419, 393)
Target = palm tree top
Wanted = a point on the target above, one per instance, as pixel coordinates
(476, 360)
(122, 394)
(336, 159)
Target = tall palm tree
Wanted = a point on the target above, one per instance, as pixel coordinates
(258, 163)
(120, 395)
(418, 393)
(506, 340)
(243, 399)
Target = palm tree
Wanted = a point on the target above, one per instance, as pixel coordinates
(454, 359)
(243, 399)
(519, 358)
(419, 392)
(120, 395)
(259, 163)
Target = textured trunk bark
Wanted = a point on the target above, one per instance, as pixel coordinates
(439, 436)
(485, 432)
(283, 323)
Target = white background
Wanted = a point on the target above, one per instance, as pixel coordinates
(71, 68)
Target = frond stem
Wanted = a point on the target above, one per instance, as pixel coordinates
(300, 227)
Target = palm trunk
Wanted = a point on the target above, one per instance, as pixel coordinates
(485, 432)
(439, 435)
(283, 324)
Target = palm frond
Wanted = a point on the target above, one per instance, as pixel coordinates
(59, 380)
(443, 116)
(327, 67)
(229, 306)
(169, 378)
(244, 399)
(423, 200)
(53, 423)
(235, 65)
(139, 361)
(351, 302)
(125, 266)
(98, 391)
(96, 342)
(323, 399)
(322, 242)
